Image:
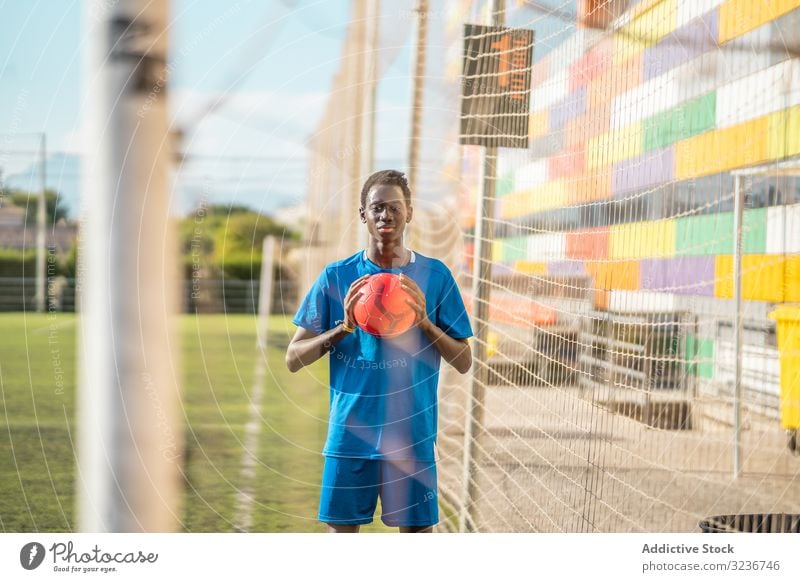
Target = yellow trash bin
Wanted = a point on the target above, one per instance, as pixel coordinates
(787, 318)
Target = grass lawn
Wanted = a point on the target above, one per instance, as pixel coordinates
(37, 425)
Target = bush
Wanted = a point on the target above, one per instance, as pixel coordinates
(240, 265)
(16, 263)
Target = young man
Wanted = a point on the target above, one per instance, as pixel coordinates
(383, 402)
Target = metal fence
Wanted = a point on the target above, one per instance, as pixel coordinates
(199, 295)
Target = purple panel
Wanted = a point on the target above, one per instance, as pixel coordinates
(682, 275)
(572, 106)
(501, 269)
(694, 38)
(646, 171)
(566, 268)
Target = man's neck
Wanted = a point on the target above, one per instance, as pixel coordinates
(388, 256)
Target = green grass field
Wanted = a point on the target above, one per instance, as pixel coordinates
(37, 425)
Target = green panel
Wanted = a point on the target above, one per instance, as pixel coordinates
(515, 248)
(701, 114)
(657, 130)
(709, 234)
(680, 122)
(712, 234)
(754, 231)
(705, 358)
(689, 356)
(505, 185)
(699, 356)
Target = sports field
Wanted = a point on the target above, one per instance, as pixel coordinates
(37, 426)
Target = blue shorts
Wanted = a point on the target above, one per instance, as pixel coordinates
(351, 487)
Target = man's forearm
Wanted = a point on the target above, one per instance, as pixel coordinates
(304, 352)
(456, 352)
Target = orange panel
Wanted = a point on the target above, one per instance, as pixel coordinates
(519, 311)
(588, 187)
(570, 162)
(618, 275)
(593, 63)
(601, 299)
(587, 244)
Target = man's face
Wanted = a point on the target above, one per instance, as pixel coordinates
(386, 213)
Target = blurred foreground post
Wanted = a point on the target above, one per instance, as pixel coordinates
(481, 297)
(130, 444)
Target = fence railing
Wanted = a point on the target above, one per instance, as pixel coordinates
(198, 295)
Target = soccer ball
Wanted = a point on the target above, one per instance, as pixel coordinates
(381, 308)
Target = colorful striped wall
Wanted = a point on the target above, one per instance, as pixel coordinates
(685, 89)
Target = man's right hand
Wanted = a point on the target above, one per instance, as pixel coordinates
(351, 299)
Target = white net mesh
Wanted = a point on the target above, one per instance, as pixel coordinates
(607, 397)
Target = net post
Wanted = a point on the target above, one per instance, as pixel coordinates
(738, 212)
(481, 295)
(265, 290)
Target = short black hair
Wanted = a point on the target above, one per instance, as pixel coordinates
(386, 177)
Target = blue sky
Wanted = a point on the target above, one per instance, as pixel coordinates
(272, 60)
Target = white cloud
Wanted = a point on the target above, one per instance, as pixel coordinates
(249, 122)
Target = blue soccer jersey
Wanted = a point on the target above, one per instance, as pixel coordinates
(383, 402)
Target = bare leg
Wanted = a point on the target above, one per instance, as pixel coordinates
(416, 529)
(339, 528)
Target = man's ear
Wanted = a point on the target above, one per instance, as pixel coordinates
(362, 214)
(409, 213)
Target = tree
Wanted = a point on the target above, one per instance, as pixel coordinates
(55, 209)
(227, 239)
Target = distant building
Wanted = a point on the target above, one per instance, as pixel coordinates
(15, 234)
(13, 216)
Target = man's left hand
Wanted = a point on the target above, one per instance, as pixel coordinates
(417, 301)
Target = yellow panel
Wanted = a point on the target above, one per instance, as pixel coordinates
(596, 151)
(614, 146)
(530, 268)
(497, 250)
(792, 279)
(728, 156)
(538, 125)
(776, 141)
(553, 195)
(543, 197)
(659, 21)
(628, 43)
(619, 241)
(651, 22)
(783, 6)
(628, 143)
(762, 277)
(699, 156)
(752, 141)
(640, 240)
(793, 132)
(685, 162)
(737, 17)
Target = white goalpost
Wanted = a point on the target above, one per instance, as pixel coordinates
(129, 444)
